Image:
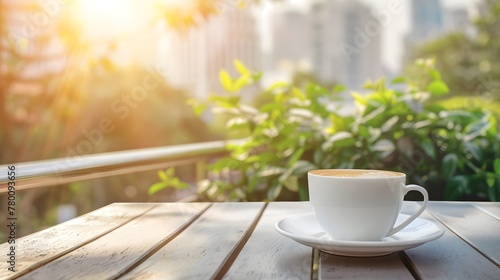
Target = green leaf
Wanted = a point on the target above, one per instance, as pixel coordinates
(492, 131)
(226, 81)
(157, 187)
(373, 114)
(298, 93)
(374, 133)
(339, 88)
(449, 165)
(225, 102)
(494, 193)
(279, 87)
(368, 84)
(256, 76)
(490, 179)
(269, 171)
(435, 74)
(359, 99)
(303, 193)
(274, 192)
(318, 156)
(398, 80)
(303, 166)
(76, 187)
(290, 177)
(170, 172)
(315, 90)
(338, 123)
(296, 156)
(389, 124)
(253, 182)
(198, 107)
(162, 175)
(237, 193)
(476, 129)
(438, 88)
(474, 150)
(363, 131)
(385, 147)
(339, 140)
(270, 107)
(428, 147)
(496, 165)
(242, 69)
(292, 183)
(456, 186)
(237, 123)
(178, 184)
(240, 83)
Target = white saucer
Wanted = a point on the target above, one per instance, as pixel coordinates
(306, 230)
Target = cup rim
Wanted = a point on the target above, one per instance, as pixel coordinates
(398, 174)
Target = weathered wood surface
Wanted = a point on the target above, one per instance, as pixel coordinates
(490, 208)
(268, 254)
(385, 267)
(479, 229)
(450, 257)
(203, 248)
(123, 247)
(239, 241)
(48, 244)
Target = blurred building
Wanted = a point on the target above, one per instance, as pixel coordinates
(346, 43)
(429, 20)
(457, 19)
(426, 21)
(336, 41)
(194, 58)
(291, 41)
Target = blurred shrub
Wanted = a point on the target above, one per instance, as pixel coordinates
(469, 62)
(454, 153)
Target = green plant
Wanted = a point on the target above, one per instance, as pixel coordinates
(451, 152)
(469, 62)
(167, 180)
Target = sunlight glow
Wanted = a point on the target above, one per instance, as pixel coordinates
(107, 18)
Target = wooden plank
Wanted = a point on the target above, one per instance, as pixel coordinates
(268, 254)
(450, 257)
(43, 246)
(337, 267)
(491, 208)
(121, 248)
(474, 226)
(203, 248)
(334, 267)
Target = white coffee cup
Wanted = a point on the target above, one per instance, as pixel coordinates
(360, 205)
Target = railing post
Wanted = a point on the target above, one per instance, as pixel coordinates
(201, 170)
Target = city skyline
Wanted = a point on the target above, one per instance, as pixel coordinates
(284, 40)
(393, 38)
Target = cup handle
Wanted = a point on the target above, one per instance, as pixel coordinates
(416, 214)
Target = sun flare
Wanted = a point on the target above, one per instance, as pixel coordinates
(107, 18)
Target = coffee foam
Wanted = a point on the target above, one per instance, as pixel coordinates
(355, 173)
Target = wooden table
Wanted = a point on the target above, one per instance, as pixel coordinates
(239, 241)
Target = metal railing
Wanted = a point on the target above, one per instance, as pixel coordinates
(77, 168)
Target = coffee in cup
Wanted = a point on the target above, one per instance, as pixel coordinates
(360, 205)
